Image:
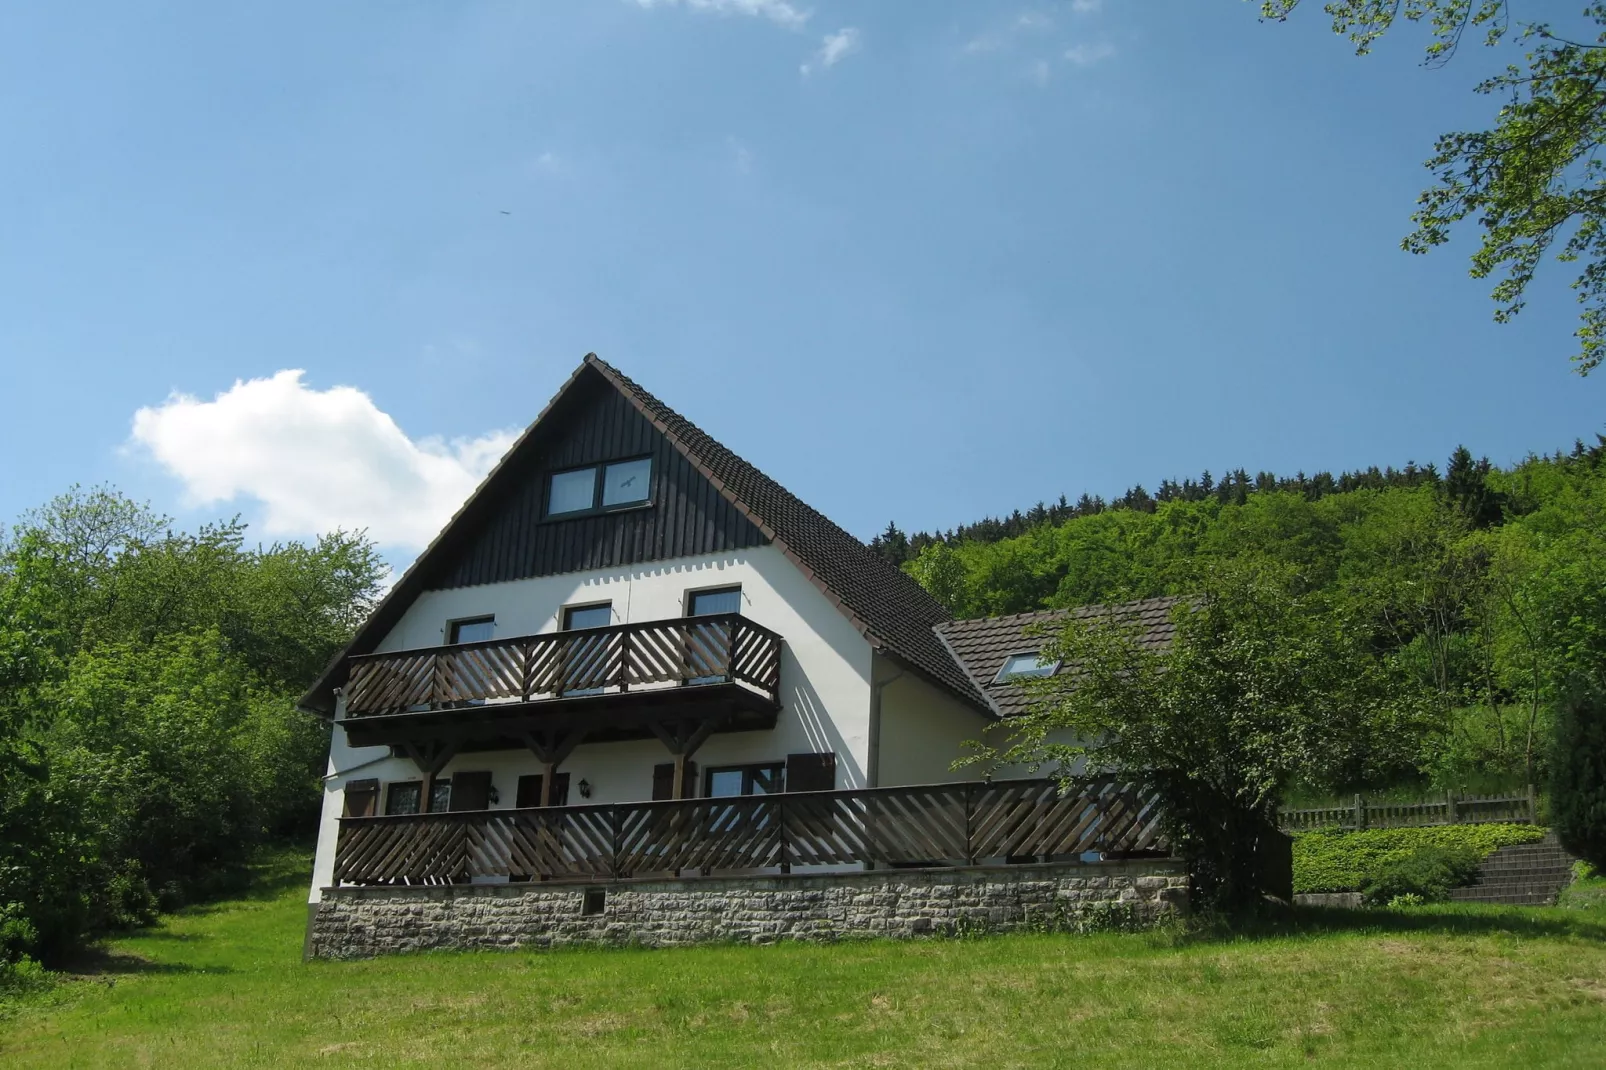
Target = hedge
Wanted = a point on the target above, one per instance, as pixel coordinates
(1333, 860)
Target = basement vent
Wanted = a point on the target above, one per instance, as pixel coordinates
(595, 901)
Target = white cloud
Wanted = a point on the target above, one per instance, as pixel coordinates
(1037, 73)
(314, 459)
(777, 11)
(1086, 55)
(834, 47)
(1033, 20)
(1026, 22)
(741, 155)
(1086, 7)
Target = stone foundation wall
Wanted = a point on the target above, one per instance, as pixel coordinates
(362, 922)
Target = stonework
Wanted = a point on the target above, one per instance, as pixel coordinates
(367, 921)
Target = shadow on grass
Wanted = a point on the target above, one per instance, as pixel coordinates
(1446, 920)
(100, 962)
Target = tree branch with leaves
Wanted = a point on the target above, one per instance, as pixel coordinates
(1532, 182)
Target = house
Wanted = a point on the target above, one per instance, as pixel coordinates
(626, 614)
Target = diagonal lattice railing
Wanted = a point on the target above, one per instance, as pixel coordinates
(533, 668)
(936, 824)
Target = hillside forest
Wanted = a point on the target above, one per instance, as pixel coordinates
(1480, 589)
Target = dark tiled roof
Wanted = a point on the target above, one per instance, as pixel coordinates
(981, 645)
(894, 612)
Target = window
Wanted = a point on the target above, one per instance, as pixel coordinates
(599, 486)
(586, 664)
(403, 797)
(572, 492)
(765, 779)
(723, 600)
(1017, 666)
(473, 630)
(625, 483)
(708, 646)
(440, 796)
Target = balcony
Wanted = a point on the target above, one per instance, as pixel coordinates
(931, 825)
(615, 682)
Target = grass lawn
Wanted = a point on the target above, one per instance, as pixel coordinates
(1452, 987)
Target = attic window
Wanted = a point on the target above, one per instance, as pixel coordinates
(1020, 666)
(598, 487)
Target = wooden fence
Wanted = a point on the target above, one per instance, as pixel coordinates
(533, 668)
(1450, 810)
(943, 824)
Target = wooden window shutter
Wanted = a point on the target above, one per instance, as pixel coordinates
(470, 791)
(663, 781)
(361, 798)
(811, 772)
(530, 790)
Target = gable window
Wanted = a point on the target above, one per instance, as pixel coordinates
(599, 486)
(1021, 666)
(767, 778)
(470, 630)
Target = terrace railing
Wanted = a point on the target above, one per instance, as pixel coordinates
(1450, 810)
(934, 825)
(532, 668)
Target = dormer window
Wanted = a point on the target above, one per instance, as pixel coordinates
(598, 487)
(1024, 666)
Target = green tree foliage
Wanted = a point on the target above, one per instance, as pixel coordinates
(1483, 589)
(148, 735)
(1532, 181)
(1578, 794)
(1264, 680)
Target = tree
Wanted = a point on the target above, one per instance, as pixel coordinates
(1260, 683)
(1534, 177)
(1578, 779)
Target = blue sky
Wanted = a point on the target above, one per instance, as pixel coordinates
(921, 262)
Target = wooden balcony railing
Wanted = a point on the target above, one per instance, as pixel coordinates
(942, 824)
(532, 668)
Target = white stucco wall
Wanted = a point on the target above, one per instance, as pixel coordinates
(825, 677)
(923, 729)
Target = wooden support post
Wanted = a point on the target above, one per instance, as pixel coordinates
(430, 757)
(1449, 806)
(1360, 812)
(550, 750)
(680, 775)
(682, 740)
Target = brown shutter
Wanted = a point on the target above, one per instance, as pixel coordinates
(663, 781)
(530, 790)
(362, 798)
(470, 791)
(811, 772)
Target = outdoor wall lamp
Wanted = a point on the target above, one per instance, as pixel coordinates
(494, 796)
(585, 788)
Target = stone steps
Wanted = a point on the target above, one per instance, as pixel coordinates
(1526, 874)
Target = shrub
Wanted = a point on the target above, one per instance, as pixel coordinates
(1426, 875)
(1332, 860)
(1578, 780)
